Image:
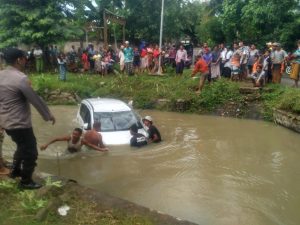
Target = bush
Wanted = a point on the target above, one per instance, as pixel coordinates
(219, 93)
(290, 100)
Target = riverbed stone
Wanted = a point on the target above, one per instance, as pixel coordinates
(65, 97)
(182, 105)
(287, 119)
(162, 102)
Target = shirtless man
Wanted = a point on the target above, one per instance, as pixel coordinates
(74, 142)
(94, 137)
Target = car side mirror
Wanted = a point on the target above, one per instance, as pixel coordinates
(130, 103)
(85, 126)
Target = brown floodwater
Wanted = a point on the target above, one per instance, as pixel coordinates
(209, 170)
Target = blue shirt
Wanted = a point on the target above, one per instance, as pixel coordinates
(128, 54)
(297, 54)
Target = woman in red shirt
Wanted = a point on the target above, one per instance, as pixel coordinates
(85, 61)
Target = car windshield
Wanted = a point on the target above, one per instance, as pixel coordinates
(117, 121)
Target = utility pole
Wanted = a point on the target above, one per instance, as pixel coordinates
(159, 72)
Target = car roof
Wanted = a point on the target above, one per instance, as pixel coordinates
(107, 105)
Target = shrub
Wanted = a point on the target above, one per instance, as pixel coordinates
(290, 100)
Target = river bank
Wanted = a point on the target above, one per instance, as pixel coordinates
(173, 93)
(64, 202)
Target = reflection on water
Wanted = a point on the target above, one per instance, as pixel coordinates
(209, 170)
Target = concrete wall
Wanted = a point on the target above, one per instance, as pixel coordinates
(287, 119)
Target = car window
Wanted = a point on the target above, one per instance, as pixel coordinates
(105, 120)
(117, 121)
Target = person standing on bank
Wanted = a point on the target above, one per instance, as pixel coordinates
(154, 134)
(16, 95)
(62, 63)
(295, 74)
(278, 57)
(128, 59)
(181, 57)
(39, 62)
(202, 67)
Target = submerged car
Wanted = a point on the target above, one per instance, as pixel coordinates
(116, 118)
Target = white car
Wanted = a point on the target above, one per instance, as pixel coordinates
(116, 118)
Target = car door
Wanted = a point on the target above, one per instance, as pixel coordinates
(84, 116)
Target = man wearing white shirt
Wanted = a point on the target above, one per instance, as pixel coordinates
(223, 58)
(122, 59)
(227, 64)
(181, 57)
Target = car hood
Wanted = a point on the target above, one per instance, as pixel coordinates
(119, 137)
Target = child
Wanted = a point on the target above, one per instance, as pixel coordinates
(202, 67)
(235, 66)
(256, 63)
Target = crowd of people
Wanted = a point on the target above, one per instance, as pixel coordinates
(237, 62)
(126, 59)
(241, 62)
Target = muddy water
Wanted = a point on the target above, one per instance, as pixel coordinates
(209, 170)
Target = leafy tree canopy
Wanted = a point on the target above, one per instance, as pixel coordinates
(47, 21)
(35, 21)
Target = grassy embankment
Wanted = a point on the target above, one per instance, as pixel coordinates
(146, 90)
(35, 207)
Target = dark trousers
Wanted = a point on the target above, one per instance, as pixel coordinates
(26, 154)
(179, 67)
(222, 69)
(129, 68)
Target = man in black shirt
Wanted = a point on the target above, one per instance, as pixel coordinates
(154, 135)
(137, 140)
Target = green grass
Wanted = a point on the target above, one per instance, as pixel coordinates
(280, 97)
(21, 207)
(144, 90)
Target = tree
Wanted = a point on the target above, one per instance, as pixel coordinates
(35, 21)
(231, 18)
(260, 21)
(210, 31)
(143, 19)
(191, 15)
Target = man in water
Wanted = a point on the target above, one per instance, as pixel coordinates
(154, 135)
(137, 139)
(16, 95)
(74, 142)
(94, 137)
